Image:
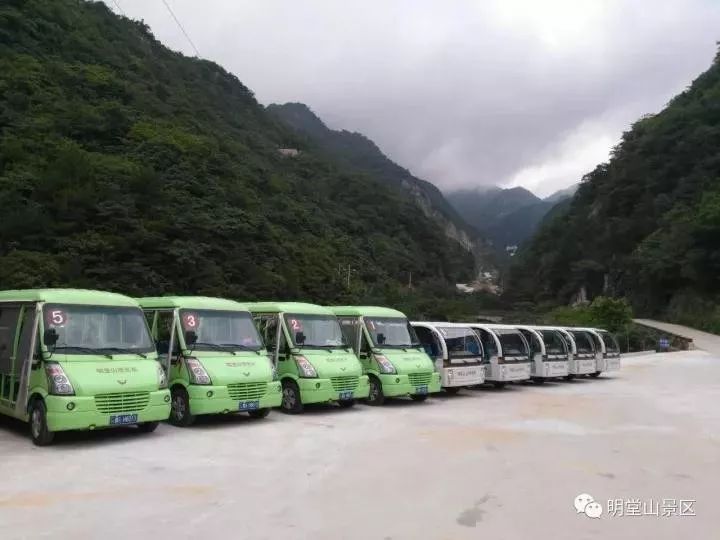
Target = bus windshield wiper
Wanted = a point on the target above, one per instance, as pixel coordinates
(83, 349)
(241, 347)
(123, 350)
(214, 346)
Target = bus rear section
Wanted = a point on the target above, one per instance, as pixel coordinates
(456, 351)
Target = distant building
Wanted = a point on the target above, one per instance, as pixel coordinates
(289, 152)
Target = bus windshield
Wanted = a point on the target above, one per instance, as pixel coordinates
(231, 330)
(461, 342)
(554, 342)
(104, 330)
(391, 332)
(513, 344)
(611, 344)
(583, 343)
(320, 331)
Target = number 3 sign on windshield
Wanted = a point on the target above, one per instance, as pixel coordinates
(190, 321)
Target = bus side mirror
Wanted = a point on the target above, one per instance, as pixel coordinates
(299, 338)
(50, 337)
(190, 337)
(380, 339)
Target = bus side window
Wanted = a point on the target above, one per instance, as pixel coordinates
(267, 326)
(350, 327)
(364, 345)
(428, 342)
(165, 320)
(488, 343)
(8, 328)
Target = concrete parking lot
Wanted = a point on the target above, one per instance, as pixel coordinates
(484, 464)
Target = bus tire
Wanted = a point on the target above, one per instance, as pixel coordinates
(452, 390)
(569, 377)
(539, 380)
(148, 427)
(418, 397)
(499, 384)
(41, 435)
(180, 414)
(376, 397)
(291, 401)
(346, 403)
(596, 374)
(259, 413)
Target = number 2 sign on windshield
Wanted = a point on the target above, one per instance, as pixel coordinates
(295, 325)
(190, 321)
(56, 317)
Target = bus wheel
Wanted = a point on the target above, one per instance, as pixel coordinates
(259, 413)
(291, 402)
(346, 403)
(452, 390)
(539, 380)
(180, 415)
(418, 397)
(596, 374)
(499, 384)
(376, 396)
(148, 427)
(569, 377)
(41, 435)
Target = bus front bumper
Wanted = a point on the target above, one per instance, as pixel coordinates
(610, 363)
(509, 372)
(582, 366)
(400, 385)
(217, 400)
(65, 413)
(322, 390)
(463, 376)
(552, 368)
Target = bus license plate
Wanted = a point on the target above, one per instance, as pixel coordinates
(345, 395)
(421, 389)
(122, 419)
(249, 405)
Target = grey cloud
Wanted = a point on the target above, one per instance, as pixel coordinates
(462, 93)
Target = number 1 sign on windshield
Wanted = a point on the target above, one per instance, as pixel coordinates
(190, 321)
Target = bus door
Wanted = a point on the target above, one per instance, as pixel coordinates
(537, 351)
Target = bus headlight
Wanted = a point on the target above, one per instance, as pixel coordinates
(197, 372)
(58, 382)
(307, 370)
(384, 364)
(162, 377)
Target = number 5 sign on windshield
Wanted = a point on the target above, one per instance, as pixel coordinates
(190, 321)
(56, 317)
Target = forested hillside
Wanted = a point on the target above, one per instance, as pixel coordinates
(357, 152)
(126, 166)
(646, 225)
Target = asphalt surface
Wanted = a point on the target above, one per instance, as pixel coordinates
(500, 464)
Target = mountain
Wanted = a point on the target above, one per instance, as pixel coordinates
(645, 225)
(130, 167)
(562, 194)
(507, 217)
(355, 151)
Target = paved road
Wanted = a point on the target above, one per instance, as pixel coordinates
(488, 464)
(702, 340)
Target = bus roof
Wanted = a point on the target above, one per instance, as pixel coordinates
(442, 324)
(68, 296)
(299, 308)
(191, 302)
(366, 311)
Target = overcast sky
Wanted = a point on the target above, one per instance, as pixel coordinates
(464, 93)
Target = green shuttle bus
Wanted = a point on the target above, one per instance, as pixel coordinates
(216, 360)
(389, 351)
(76, 360)
(314, 363)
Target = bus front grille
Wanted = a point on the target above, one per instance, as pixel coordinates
(247, 391)
(419, 379)
(122, 402)
(343, 384)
